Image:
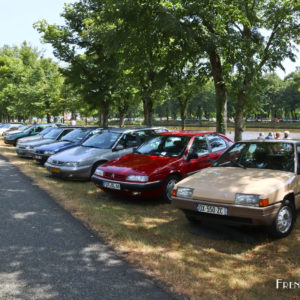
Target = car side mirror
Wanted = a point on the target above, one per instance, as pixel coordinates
(135, 148)
(118, 148)
(192, 156)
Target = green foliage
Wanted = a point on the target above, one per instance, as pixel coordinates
(29, 85)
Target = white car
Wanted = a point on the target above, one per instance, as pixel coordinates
(8, 126)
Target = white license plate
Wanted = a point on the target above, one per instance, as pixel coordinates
(216, 210)
(111, 185)
(38, 157)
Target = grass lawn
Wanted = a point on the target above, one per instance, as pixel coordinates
(157, 238)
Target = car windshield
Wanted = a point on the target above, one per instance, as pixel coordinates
(53, 134)
(102, 140)
(274, 156)
(172, 146)
(46, 130)
(76, 135)
(28, 130)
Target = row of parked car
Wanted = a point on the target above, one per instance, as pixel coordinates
(254, 182)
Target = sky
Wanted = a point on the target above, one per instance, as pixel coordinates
(17, 18)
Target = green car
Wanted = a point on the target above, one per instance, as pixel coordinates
(12, 139)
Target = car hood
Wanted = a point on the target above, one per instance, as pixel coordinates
(57, 146)
(80, 153)
(138, 164)
(13, 132)
(220, 184)
(26, 138)
(39, 142)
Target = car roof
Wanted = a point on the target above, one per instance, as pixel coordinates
(188, 133)
(126, 129)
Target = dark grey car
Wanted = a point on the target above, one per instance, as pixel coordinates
(81, 162)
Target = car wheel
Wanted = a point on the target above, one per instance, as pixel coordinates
(95, 166)
(284, 220)
(168, 187)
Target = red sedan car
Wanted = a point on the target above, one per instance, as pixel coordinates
(155, 167)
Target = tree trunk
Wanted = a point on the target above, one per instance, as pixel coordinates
(239, 114)
(148, 108)
(122, 121)
(48, 118)
(182, 105)
(105, 113)
(221, 93)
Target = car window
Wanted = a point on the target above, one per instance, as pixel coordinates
(216, 143)
(275, 156)
(103, 140)
(172, 146)
(76, 135)
(200, 146)
(144, 135)
(128, 140)
(38, 129)
(53, 134)
(64, 132)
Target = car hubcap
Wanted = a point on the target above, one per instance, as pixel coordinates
(284, 219)
(170, 187)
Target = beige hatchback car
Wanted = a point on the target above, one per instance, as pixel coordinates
(254, 182)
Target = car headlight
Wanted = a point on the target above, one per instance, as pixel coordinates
(49, 152)
(99, 172)
(140, 178)
(247, 199)
(29, 147)
(73, 164)
(184, 192)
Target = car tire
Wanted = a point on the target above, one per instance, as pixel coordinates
(95, 166)
(168, 187)
(284, 220)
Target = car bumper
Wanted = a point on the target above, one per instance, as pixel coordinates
(25, 152)
(9, 141)
(236, 214)
(147, 189)
(75, 173)
(40, 158)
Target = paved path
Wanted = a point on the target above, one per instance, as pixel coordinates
(46, 254)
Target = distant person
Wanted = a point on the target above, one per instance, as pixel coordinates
(270, 136)
(73, 122)
(286, 135)
(277, 135)
(261, 136)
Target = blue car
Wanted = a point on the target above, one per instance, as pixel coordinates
(70, 140)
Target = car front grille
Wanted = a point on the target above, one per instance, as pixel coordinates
(114, 176)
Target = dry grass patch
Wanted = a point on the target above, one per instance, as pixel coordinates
(158, 238)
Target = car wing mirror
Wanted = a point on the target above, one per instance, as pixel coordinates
(192, 156)
(118, 148)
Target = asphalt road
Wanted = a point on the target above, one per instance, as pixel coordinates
(47, 254)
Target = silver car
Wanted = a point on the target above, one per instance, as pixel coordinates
(26, 149)
(81, 162)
